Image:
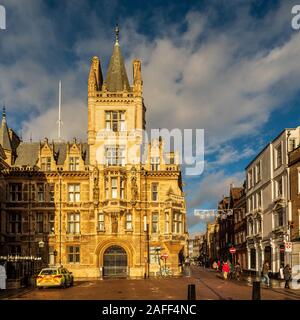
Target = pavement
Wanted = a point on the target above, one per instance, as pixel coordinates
(209, 286)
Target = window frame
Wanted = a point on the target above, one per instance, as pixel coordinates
(73, 223)
(154, 191)
(74, 195)
(74, 162)
(73, 254)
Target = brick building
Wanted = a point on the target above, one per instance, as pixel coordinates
(294, 223)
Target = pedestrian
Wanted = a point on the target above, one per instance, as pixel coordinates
(225, 270)
(187, 266)
(238, 271)
(219, 265)
(281, 275)
(231, 268)
(287, 272)
(265, 273)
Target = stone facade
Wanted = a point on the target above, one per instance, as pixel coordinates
(212, 241)
(268, 203)
(98, 209)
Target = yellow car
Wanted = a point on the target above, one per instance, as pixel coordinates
(54, 277)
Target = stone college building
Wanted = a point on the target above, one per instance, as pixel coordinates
(95, 207)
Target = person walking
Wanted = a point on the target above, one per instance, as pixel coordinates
(238, 271)
(232, 271)
(281, 275)
(265, 273)
(225, 270)
(187, 265)
(287, 272)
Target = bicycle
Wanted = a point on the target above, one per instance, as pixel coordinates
(166, 272)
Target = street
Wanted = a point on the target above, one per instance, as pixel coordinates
(209, 286)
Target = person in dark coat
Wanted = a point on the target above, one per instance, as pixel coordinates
(287, 272)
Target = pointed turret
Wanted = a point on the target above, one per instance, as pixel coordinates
(116, 77)
(4, 133)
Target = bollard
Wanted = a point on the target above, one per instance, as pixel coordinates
(191, 292)
(256, 290)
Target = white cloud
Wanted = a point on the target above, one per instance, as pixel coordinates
(211, 188)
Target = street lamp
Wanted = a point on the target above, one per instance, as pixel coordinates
(41, 246)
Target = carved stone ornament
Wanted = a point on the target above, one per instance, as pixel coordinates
(134, 187)
(96, 191)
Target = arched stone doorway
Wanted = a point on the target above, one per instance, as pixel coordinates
(115, 262)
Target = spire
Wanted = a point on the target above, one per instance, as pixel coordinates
(4, 134)
(3, 114)
(117, 31)
(116, 77)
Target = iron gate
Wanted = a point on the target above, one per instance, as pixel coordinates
(115, 262)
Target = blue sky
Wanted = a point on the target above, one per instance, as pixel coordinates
(229, 67)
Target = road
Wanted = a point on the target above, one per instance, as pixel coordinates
(209, 286)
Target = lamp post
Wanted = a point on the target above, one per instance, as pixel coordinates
(41, 247)
(55, 255)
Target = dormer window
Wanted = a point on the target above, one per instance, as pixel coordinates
(115, 120)
(74, 164)
(46, 163)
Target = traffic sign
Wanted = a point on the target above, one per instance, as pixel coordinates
(288, 246)
(165, 256)
(232, 250)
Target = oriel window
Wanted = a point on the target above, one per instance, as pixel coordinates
(167, 222)
(122, 188)
(106, 186)
(114, 187)
(177, 222)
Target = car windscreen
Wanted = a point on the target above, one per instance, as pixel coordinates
(48, 272)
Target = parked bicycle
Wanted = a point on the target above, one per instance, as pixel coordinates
(166, 272)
